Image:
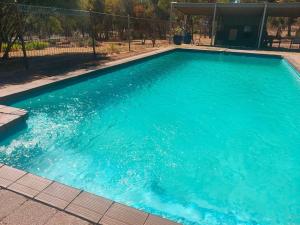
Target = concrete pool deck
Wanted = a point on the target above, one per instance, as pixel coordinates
(63, 201)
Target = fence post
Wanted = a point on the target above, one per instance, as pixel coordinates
(94, 48)
(93, 35)
(128, 32)
(170, 23)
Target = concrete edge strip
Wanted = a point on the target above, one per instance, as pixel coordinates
(10, 117)
(69, 202)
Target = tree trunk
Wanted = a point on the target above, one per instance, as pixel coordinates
(153, 42)
(7, 50)
(24, 52)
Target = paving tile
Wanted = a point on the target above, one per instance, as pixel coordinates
(155, 220)
(8, 175)
(58, 195)
(30, 213)
(7, 109)
(30, 185)
(7, 118)
(126, 214)
(9, 202)
(19, 112)
(4, 183)
(61, 218)
(89, 206)
(51, 200)
(109, 221)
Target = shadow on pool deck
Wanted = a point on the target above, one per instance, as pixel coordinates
(13, 72)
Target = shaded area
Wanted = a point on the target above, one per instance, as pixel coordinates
(13, 71)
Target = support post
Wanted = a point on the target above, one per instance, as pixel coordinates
(129, 32)
(94, 45)
(262, 25)
(213, 26)
(192, 19)
(185, 23)
(170, 25)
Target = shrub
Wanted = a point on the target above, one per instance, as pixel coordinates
(15, 47)
(36, 45)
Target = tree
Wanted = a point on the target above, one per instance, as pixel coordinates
(11, 26)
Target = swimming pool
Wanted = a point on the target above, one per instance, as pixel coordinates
(201, 138)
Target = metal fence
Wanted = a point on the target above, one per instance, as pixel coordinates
(34, 31)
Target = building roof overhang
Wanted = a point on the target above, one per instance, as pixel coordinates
(250, 9)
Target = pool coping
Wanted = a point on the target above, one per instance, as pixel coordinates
(10, 117)
(79, 203)
(71, 200)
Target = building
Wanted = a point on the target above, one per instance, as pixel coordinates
(238, 24)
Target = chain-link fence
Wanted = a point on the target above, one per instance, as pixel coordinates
(195, 29)
(34, 31)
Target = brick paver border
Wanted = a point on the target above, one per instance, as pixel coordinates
(90, 207)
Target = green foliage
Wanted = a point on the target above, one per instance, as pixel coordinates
(96, 5)
(36, 45)
(33, 45)
(178, 30)
(15, 47)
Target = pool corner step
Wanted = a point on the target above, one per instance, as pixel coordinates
(84, 205)
(10, 117)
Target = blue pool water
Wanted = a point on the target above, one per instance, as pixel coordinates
(200, 138)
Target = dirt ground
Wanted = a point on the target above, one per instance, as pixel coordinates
(49, 62)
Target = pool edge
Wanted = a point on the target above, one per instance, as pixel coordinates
(10, 117)
(79, 203)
